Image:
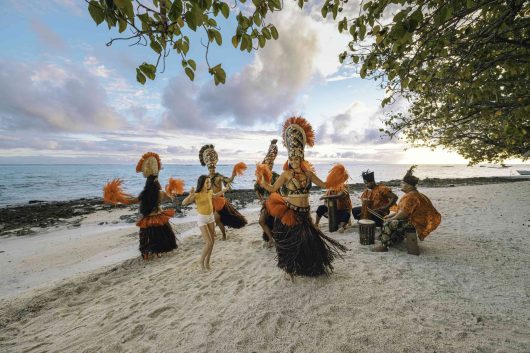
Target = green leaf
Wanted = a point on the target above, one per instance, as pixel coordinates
(190, 73)
(140, 77)
(276, 4)
(244, 43)
(149, 70)
(274, 32)
(175, 10)
(362, 31)
(225, 10)
(127, 7)
(96, 12)
(324, 10)
(122, 25)
(156, 46)
(235, 41)
(185, 47)
(257, 19)
(261, 41)
(192, 64)
(266, 33)
(218, 37)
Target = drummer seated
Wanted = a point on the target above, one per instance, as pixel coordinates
(342, 213)
(380, 195)
(415, 218)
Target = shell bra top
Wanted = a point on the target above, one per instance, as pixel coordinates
(295, 186)
(217, 182)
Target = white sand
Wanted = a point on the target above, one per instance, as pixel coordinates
(468, 291)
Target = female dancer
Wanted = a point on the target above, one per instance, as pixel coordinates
(202, 196)
(225, 213)
(156, 234)
(302, 248)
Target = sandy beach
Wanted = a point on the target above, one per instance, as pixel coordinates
(85, 288)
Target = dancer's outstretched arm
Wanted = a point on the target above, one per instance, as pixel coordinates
(277, 185)
(190, 198)
(316, 180)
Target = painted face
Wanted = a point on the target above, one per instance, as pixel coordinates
(405, 187)
(369, 184)
(295, 162)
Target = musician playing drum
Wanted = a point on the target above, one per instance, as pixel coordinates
(380, 195)
(342, 212)
(415, 212)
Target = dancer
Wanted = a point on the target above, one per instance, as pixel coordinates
(156, 235)
(225, 213)
(415, 212)
(202, 196)
(266, 221)
(302, 249)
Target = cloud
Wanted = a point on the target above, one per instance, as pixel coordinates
(51, 97)
(268, 87)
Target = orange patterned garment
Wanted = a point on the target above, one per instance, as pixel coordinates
(156, 220)
(380, 195)
(422, 213)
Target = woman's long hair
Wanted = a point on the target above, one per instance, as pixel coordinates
(149, 195)
(200, 183)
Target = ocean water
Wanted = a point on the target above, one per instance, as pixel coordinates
(22, 183)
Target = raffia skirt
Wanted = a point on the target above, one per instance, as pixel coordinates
(230, 217)
(156, 234)
(302, 249)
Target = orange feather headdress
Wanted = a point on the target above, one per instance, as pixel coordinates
(297, 133)
(149, 164)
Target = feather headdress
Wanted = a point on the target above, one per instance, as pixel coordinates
(297, 133)
(149, 164)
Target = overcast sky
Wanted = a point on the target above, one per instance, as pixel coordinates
(68, 98)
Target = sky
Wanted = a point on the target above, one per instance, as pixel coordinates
(66, 97)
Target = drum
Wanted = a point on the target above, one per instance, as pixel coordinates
(333, 223)
(366, 231)
(366, 204)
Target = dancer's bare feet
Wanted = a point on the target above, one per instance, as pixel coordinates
(145, 256)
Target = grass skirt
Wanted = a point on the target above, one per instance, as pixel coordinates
(157, 239)
(302, 249)
(230, 217)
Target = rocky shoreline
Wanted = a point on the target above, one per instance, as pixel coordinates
(23, 219)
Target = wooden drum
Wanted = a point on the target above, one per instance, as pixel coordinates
(366, 204)
(366, 231)
(333, 223)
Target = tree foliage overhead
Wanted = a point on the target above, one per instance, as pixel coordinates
(464, 66)
(163, 24)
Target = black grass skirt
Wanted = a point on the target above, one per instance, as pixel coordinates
(303, 249)
(230, 217)
(157, 239)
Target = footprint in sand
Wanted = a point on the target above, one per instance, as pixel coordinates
(159, 311)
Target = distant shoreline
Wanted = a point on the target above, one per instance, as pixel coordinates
(19, 220)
